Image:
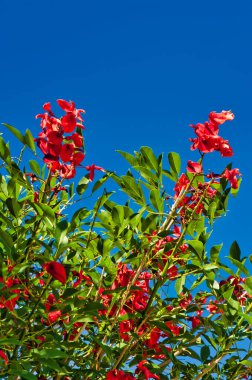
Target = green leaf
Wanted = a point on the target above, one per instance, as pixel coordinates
(6, 238)
(27, 375)
(147, 174)
(248, 285)
(239, 265)
(82, 185)
(248, 363)
(211, 211)
(78, 216)
(15, 132)
(204, 353)
(69, 292)
(29, 140)
(208, 267)
(51, 363)
(129, 157)
(131, 188)
(247, 317)
(235, 251)
(13, 206)
(149, 157)
(170, 174)
(180, 282)
(228, 296)
(228, 293)
(61, 231)
(51, 353)
(157, 200)
(4, 151)
(9, 341)
(197, 246)
(100, 182)
(118, 215)
(35, 167)
(47, 211)
(175, 162)
(214, 253)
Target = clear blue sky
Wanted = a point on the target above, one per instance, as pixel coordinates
(143, 70)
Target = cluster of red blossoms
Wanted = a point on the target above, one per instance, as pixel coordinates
(61, 153)
(12, 290)
(137, 301)
(208, 138)
(141, 369)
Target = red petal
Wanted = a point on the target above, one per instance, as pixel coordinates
(78, 158)
(66, 106)
(54, 315)
(56, 270)
(47, 107)
(194, 167)
(66, 152)
(4, 356)
(77, 139)
(68, 122)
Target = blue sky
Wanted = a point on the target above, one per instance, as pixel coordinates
(143, 70)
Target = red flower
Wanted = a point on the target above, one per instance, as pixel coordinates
(47, 107)
(54, 137)
(195, 321)
(208, 139)
(186, 301)
(42, 144)
(124, 328)
(50, 301)
(231, 176)
(145, 371)
(194, 167)
(91, 169)
(152, 342)
(78, 158)
(68, 122)
(77, 139)
(174, 328)
(36, 197)
(4, 357)
(56, 270)
(66, 152)
(54, 315)
(212, 309)
(220, 118)
(67, 171)
(225, 148)
(66, 106)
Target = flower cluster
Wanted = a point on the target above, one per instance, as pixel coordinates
(208, 139)
(62, 153)
(138, 297)
(141, 370)
(11, 291)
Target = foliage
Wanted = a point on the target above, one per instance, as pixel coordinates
(118, 291)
